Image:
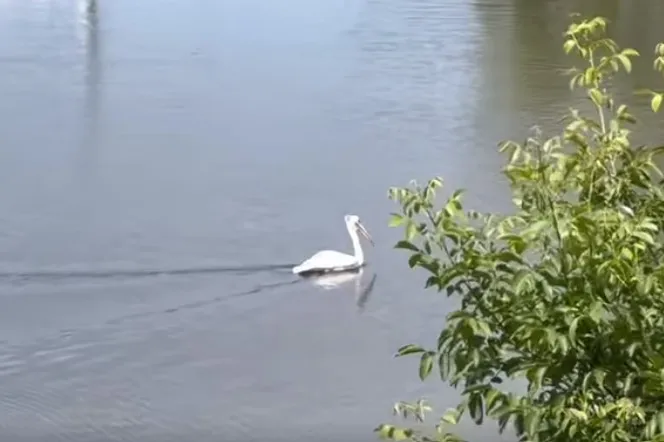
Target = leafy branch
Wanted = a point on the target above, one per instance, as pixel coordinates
(566, 291)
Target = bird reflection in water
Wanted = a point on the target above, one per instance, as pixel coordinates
(329, 281)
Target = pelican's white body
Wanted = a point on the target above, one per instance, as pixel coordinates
(333, 261)
(329, 261)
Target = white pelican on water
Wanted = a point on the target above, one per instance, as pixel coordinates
(333, 261)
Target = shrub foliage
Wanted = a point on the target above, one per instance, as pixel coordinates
(565, 292)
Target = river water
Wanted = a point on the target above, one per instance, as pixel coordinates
(164, 163)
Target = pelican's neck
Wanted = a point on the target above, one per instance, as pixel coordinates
(357, 247)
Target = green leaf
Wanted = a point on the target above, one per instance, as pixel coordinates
(572, 329)
(391, 432)
(627, 383)
(569, 45)
(596, 311)
(409, 349)
(626, 62)
(660, 421)
(396, 220)
(535, 377)
(580, 415)
(599, 375)
(414, 260)
(651, 428)
(532, 424)
(491, 398)
(522, 281)
(411, 230)
(451, 416)
(443, 366)
(426, 364)
(436, 182)
(452, 207)
(643, 91)
(457, 194)
(596, 96)
(476, 408)
(648, 283)
(645, 236)
(407, 245)
(656, 102)
(627, 254)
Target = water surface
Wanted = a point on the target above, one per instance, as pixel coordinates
(163, 164)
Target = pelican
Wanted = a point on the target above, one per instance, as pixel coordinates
(333, 261)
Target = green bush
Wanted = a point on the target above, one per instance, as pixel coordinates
(566, 292)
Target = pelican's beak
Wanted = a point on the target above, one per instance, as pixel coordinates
(364, 232)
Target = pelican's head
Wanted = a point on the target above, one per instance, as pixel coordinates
(354, 224)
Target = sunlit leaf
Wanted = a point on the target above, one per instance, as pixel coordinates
(578, 414)
(568, 46)
(626, 62)
(656, 102)
(396, 220)
(647, 237)
(411, 230)
(450, 416)
(393, 433)
(596, 96)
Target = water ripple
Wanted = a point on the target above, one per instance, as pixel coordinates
(51, 275)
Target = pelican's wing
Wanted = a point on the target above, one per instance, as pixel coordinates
(327, 260)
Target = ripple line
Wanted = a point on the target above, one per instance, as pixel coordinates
(85, 274)
(206, 302)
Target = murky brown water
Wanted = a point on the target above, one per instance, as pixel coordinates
(162, 164)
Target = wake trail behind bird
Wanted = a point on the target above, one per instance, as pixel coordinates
(49, 275)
